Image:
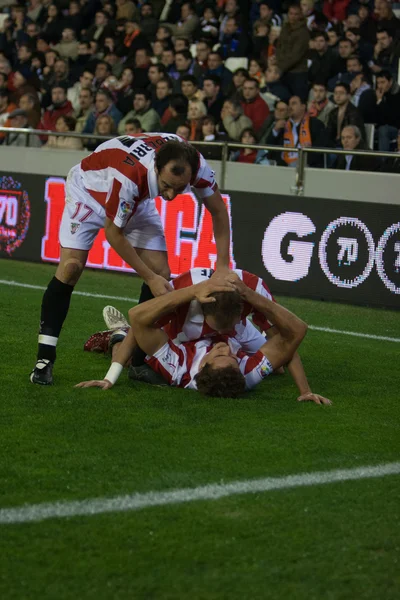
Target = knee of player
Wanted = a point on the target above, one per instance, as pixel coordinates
(71, 270)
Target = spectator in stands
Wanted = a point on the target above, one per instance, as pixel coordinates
(68, 46)
(352, 140)
(334, 38)
(273, 84)
(392, 165)
(163, 97)
(203, 49)
(85, 107)
(386, 55)
(100, 29)
(386, 18)
(148, 22)
(104, 126)
(315, 19)
(36, 11)
(168, 60)
(213, 98)
(236, 85)
(335, 10)
(24, 55)
(178, 108)
(125, 91)
(155, 74)
(250, 155)
(367, 25)
(196, 111)
(299, 131)
(24, 83)
(85, 81)
(31, 105)
(209, 133)
(181, 43)
(189, 86)
(132, 41)
(187, 24)
(74, 19)
(346, 50)
(217, 67)
(260, 40)
(233, 119)
(60, 106)
(324, 62)
(281, 112)
(53, 26)
(184, 131)
(6, 108)
(234, 41)
(104, 105)
(361, 48)
(64, 124)
(19, 120)
(253, 104)
(126, 9)
(185, 65)
(256, 71)
(344, 114)
(148, 117)
(231, 10)
(363, 97)
(142, 66)
(387, 109)
(57, 75)
(267, 14)
(102, 71)
(209, 25)
(133, 127)
(292, 50)
(320, 106)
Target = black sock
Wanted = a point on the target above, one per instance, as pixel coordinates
(55, 305)
(138, 355)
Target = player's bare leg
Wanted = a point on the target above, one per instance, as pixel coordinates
(55, 305)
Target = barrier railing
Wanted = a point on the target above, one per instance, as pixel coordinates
(301, 166)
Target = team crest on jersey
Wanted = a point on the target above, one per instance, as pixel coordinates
(264, 370)
(75, 227)
(124, 207)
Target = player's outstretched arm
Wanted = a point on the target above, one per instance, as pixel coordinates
(117, 240)
(291, 330)
(219, 214)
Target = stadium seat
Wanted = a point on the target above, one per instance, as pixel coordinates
(233, 63)
(369, 134)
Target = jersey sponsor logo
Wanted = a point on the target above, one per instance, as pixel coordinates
(15, 214)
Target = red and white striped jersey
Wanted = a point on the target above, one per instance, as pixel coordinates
(188, 323)
(120, 173)
(180, 363)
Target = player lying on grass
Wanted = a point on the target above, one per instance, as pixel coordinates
(192, 321)
(215, 367)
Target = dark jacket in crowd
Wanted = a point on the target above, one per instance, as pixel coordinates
(323, 66)
(292, 47)
(318, 137)
(359, 163)
(351, 117)
(388, 110)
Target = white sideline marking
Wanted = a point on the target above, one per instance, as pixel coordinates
(382, 338)
(95, 506)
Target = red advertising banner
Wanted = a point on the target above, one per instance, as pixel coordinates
(188, 232)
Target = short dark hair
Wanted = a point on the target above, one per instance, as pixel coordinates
(227, 307)
(242, 71)
(385, 30)
(214, 78)
(344, 85)
(190, 78)
(254, 80)
(318, 34)
(104, 62)
(141, 92)
(69, 121)
(159, 66)
(386, 74)
(320, 82)
(185, 53)
(134, 122)
(179, 152)
(220, 383)
(179, 102)
(105, 92)
(217, 54)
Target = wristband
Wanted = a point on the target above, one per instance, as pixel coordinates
(114, 372)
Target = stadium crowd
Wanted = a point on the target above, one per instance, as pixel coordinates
(262, 72)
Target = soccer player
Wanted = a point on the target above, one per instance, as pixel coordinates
(114, 187)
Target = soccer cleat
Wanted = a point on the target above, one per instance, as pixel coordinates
(145, 374)
(113, 318)
(98, 342)
(117, 336)
(42, 374)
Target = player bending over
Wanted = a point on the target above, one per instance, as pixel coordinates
(215, 367)
(114, 187)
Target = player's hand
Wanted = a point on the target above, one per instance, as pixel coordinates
(104, 384)
(204, 289)
(242, 288)
(159, 286)
(311, 397)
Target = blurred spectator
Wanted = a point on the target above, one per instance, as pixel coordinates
(102, 71)
(320, 106)
(345, 50)
(126, 9)
(267, 14)
(203, 49)
(162, 99)
(68, 47)
(392, 165)
(196, 111)
(335, 10)
(236, 86)
(292, 50)
(184, 131)
(24, 55)
(299, 131)
(155, 74)
(343, 115)
(386, 18)
(60, 106)
(315, 20)
(125, 91)
(231, 10)
(133, 127)
(256, 71)
(217, 67)
(209, 25)
(213, 98)
(53, 26)
(104, 105)
(178, 108)
(388, 113)
(250, 155)
(35, 11)
(363, 97)
(360, 47)
(185, 65)
(233, 119)
(100, 29)
(253, 105)
(324, 62)
(132, 41)
(85, 81)
(85, 107)
(148, 117)
(386, 56)
(181, 43)
(352, 140)
(168, 60)
(234, 41)
(74, 18)
(31, 105)
(6, 108)
(281, 112)
(104, 126)
(23, 81)
(260, 39)
(189, 86)
(187, 24)
(368, 25)
(148, 22)
(64, 124)
(158, 49)
(273, 84)
(18, 119)
(208, 133)
(333, 38)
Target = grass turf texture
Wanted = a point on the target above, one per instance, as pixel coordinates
(334, 541)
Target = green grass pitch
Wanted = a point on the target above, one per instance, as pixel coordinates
(330, 542)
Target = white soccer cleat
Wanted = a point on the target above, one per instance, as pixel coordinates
(113, 318)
